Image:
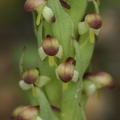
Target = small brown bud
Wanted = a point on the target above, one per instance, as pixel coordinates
(31, 5)
(101, 79)
(94, 20)
(50, 46)
(65, 70)
(16, 112)
(30, 76)
(28, 113)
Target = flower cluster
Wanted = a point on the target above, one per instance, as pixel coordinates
(32, 78)
(41, 8)
(94, 81)
(65, 48)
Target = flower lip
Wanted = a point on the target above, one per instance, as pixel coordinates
(31, 5)
(50, 46)
(94, 20)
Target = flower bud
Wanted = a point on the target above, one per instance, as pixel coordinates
(50, 46)
(65, 70)
(31, 5)
(28, 113)
(89, 87)
(30, 76)
(101, 79)
(94, 20)
(16, 112)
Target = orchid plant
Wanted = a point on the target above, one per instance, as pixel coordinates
(61, 85)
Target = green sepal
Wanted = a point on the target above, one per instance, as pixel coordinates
(76, 12)
(86, 48)
(78, 57)
(39, 34)
(21, 67)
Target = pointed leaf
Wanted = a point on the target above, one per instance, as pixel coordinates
(86, 48)
(76, 11)
(46, 112)
(21, 67)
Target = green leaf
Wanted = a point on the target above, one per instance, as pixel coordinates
(78, 57)
(39, 34)
(21, 67)
(79, 63)
(34, 22)
(76, 11)
(46, 112)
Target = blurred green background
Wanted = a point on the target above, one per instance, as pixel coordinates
(16, 31)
